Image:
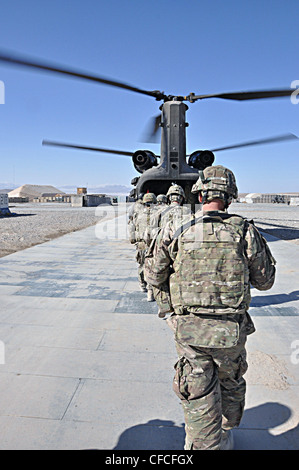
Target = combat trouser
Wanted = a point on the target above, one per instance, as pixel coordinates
(140, 257)
(210, 383)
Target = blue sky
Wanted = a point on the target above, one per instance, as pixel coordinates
(176, 46)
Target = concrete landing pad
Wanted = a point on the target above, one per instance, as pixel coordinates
(85, 362)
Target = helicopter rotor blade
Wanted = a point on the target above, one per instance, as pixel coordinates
(245, 95)
(24, 62)
(81, 147)
(19, 60)
(151, 134)
(271, 140)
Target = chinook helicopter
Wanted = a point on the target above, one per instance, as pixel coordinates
(173, 165)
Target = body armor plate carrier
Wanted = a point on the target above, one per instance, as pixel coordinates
(211, 272)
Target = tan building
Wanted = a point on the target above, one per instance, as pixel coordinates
(33, 191)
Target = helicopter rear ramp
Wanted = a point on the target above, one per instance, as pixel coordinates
(85, 362)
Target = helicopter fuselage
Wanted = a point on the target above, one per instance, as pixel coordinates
(173, 167)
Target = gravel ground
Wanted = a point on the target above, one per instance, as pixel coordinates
(38, 223)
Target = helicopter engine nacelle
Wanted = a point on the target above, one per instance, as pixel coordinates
(144, 160)
(200, 159)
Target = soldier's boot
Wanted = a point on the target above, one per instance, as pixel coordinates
(150, 296)
(142, 286)
(227, 440)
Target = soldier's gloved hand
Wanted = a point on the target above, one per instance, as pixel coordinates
(162, 313)
(172, 321)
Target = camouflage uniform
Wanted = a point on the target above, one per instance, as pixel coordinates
(175, 213)
(204, 271)
(140, 224)
(172, 212)
(165, 212)
(132, 212)
(161, 199)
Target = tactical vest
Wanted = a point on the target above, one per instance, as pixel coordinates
(142, 221)
(174, 214)
(211, 273)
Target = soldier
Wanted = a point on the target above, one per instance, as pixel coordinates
(207, 266)
(162, 207)
(174, 210)
(135, 207)
(140, 222)
(161, 200)
(176, 198)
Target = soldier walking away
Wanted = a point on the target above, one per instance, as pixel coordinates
(135, 208)
(176, 209)
(208, 266)
(139, 225)
(161, 207)
(175, 212)
(172, 208)
(161, 200)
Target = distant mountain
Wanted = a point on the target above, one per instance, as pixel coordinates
(8, 185)
(5, 191)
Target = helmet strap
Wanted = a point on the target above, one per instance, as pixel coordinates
(225, 199)
(204, 196)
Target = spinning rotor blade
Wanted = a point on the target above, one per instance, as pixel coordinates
(270, 140)
(18, 60)
(151, 132)
(21, 61)
(246, 95)
(80, 147)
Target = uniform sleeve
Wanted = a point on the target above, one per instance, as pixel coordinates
(260, 260)
(153, 228)
(157, 269)
(158, 260)
(132, 228)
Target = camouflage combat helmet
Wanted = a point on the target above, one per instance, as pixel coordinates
(216, 182)
(175, 189)
(149, 198)
(161, 199)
